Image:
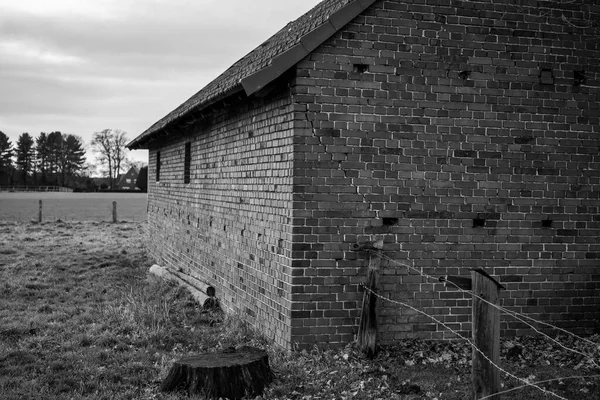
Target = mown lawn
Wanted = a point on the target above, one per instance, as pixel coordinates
(80, 319)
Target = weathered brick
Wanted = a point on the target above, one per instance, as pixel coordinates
(438, 131)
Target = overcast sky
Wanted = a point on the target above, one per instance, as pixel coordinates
(81, 66)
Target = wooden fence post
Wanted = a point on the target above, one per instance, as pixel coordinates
(40, 213)
(114, 211)
(486, 335)
(367, 329)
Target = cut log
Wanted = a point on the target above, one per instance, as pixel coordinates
(231, 374)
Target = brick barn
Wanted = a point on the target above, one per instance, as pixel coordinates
(463, 133)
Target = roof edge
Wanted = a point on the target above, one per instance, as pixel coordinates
(151, 133)
(278, 66)
(308, 43)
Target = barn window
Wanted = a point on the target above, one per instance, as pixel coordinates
(187, 163)
(157, 166)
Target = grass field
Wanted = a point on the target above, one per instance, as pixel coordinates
(24, 206)
(80, 319)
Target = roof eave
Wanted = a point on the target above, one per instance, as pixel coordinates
(151, 133)
(278, 66)
(308, 43)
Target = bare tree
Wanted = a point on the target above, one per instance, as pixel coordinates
(109, 145)
(119, 151)
(135, 163)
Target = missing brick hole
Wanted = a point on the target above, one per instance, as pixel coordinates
(464, 75)
(547, 223)
(546, 76)
(579, 78)
(478, 222)
(361, 68)
(210, 291)
(250, 134)
(390, 221)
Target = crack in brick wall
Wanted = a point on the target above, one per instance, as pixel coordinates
(468, 132)
(450, 122)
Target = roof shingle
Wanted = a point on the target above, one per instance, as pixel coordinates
(245, 73)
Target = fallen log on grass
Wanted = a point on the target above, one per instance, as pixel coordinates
(231, 374)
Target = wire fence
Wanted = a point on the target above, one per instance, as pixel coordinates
(174, 259)
(24, 207)
(28, 188)
(590, 356)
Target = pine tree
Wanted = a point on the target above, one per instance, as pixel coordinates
(6, 153)
(42, 155)
(25, 155)
(74, 157)
(56, 157)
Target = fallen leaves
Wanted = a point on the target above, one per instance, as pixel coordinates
(417, 369)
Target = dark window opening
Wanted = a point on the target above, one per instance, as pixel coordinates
(157, 166)
(187, 163)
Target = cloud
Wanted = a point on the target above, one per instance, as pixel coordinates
(80, 66)
(62, 8)
(20, 51)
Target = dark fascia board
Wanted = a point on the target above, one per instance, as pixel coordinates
(142, 140)
(279, 64)
(308, 43)
(314, 38)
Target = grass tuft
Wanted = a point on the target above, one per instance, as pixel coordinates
(81, 320)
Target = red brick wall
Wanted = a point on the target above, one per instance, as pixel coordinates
(230, 226)
(468, 110)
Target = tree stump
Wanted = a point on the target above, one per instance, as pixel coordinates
(231, 374)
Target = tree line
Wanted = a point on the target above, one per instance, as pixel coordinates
(54, 159)
(58, 159)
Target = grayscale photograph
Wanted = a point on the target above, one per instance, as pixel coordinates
(299, 199)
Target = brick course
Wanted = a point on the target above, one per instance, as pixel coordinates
(229, 227)
(460, 132)
(449, 122)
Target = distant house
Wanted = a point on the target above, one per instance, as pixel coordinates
(127, 180)
(122, 181)
(465, 134)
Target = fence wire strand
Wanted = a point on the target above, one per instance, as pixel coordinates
(514, 314)
(184, 257)
(468, 341)
(539, 383)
